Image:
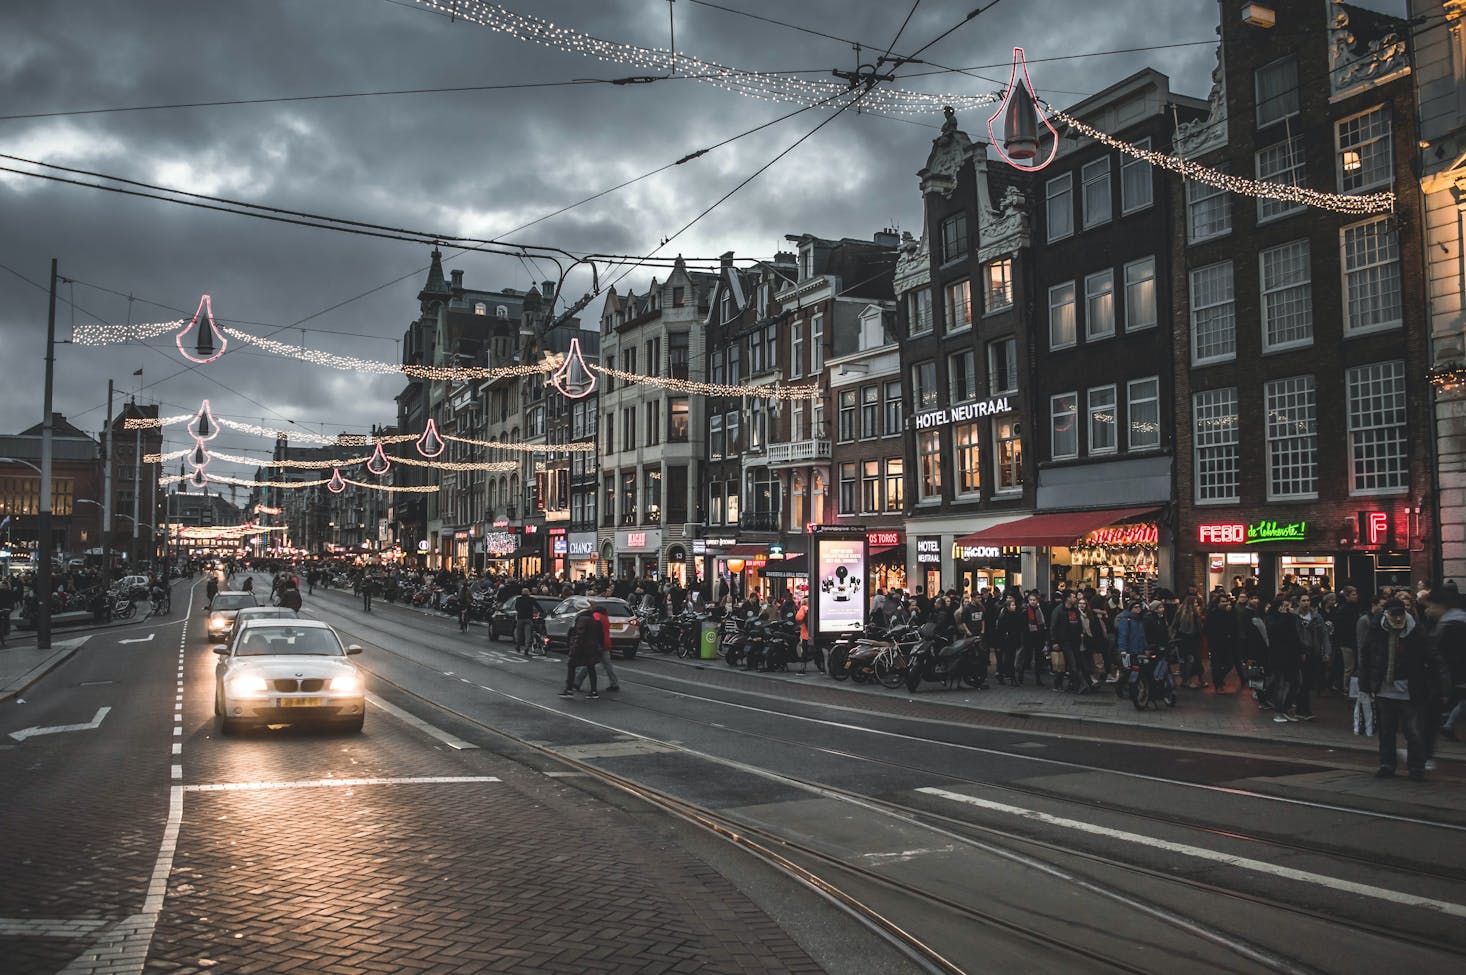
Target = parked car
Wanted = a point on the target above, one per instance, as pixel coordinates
(288, 672)
(226, 605)
(501, 624)
(625, 627)
(134, 586)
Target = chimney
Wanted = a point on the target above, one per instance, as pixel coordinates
(547, 288)
(785, 259)
(726, 259)
(888, 237)
(457, 280)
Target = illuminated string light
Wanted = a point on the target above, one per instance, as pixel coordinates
(349, 363)
(395, 489)
(765, 86)
(449, 465)
(295, 485)
(202, 427)
(208, 342)
(336, 484)
(131, 332)
(164, 458)
(713, 389)
(1187, 169)
(430, 444)
(584, 446)
(379, 464)
(154, 422)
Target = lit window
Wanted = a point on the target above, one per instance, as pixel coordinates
(1365, 159)
(929, 456)
(895, 483)
(480, 308)
(1099, 305)
(1143, 406)
(962, 376)
(959, 305)
(1140, 294)
(998, 284)
(1008, 453)
(1061, 315)
(969, 459)
(1102, 420)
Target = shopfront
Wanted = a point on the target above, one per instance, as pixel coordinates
(581, 554)
(499, 548)
(1123, 558)
(531, 555)
(460, 549)
(979, 567)
(639, 553)
(744, 564)
(1367, 551)
(1114, 548)
(886, 560)
(559, 553)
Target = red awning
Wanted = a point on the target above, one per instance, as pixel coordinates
(1049, 530)
(883, 549)
(744, 551)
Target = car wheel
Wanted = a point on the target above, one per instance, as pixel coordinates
(229, 726)
(628, 653)
(352, 726)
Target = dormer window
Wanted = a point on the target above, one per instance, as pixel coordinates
(479, 308)
(806, 262)
(679, 297)
(501, 311)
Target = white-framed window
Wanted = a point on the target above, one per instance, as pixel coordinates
(924, 392)
(817, 344)
(870, 412)
(1208, 212)
(894, 411)
(1218, 471)
(870, 486)
(1378, 461)
(1287, 296)
(1213, 314)
(959, 305)
(481, 308)
(1276, 87)
(954, 237)
(1096, 192)
(848, 488)
(962, 376)
(1061, 315)
(1137, 181)
(1007, 455)
(1143, 412)
(796, 349)
(1292, 437)
(873, 332)
(1365, 159)
(1059, 209)
(895, 483)
(1099, 305)
(1003, 366)
(846, 425)
(1064, 426)
(1283, 164)
(998, 284)
(969, 459)
(501, 311)
(919, 310)
(929, 464)
(1102, 419)
(1140, 302)
(1371, 259)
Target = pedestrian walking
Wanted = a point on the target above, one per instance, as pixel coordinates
(525, 610)
(211, 589)
(589, 637)
(366, 593)
(290, 598)
(1407, 676)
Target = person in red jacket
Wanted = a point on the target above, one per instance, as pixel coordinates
(590, 635)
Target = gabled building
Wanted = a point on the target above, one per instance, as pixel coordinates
(75, 475)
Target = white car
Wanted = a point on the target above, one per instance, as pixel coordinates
(288, 672)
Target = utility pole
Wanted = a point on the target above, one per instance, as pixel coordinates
(44, 543)
(107, 494)
(137, 466)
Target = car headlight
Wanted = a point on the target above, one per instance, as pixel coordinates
(346, 684)
(247, 684)
(217, 621)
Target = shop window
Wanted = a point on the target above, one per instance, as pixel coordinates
(1137, 181)
(1378, 462)
(1143, 407)
(1214, 414)
(1099, 305)
(1371, 277)
(1061, 315)
(1281, 164)
(929, 456)
(1287, 297)
(1102, 421)
(1064, 426)
(969, 459)
(1008, 455)
(1366, 161)
(1213, 314)
(895, 484)
(1059, 207)
(1096, 176)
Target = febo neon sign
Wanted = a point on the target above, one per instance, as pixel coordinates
(1374, 527)
(1229, 534)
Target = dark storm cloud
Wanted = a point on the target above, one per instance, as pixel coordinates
(478, 164)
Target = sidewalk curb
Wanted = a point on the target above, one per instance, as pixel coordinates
(60, 653)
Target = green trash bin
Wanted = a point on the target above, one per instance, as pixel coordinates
(707, 641)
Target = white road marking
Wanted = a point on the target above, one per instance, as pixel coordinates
(1202, 853)
(141, 639)
(34, 731)
(414, 721)
(326, 783)
(178, 748)
(177, 772)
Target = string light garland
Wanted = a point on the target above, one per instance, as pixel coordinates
(579, 447)
(765, 86)
(154, 422)
(349, 363)
(1337, 202)
(713, 389)
(95, 335)
(1447, 377)
(171, 455)
(208, 342)
(449, 465)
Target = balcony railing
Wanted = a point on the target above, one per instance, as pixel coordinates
(800, 450)
(759, 521)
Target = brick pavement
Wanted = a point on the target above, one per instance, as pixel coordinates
(22, 665)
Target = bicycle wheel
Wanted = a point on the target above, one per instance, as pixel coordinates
(890, 669)
(838, 665)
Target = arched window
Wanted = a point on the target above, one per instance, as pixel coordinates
(480, 308)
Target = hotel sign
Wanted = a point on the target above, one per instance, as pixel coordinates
(928, 550)
(963, 413)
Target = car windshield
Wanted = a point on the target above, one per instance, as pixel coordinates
(264, 641)
(234, 601)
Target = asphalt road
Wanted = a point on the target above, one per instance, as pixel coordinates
(993, 848)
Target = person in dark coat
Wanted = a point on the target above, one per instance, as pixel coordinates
(590, 634)
(290, 599)
(1407, 675)
(1009, 637)
(1035, 639)
(211, 589)
(1221, 642)
(1284, 659)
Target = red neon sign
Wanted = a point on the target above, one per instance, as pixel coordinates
(1376, 527)
(1228, 534)
(1144, 534)
(878, 539)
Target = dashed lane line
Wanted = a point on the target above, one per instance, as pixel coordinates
(414, 721)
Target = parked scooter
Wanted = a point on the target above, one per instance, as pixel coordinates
(1146, 677)
(938, 660)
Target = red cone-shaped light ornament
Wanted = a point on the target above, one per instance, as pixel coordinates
(206, 343)
(573, 378)
(202, 427)
(198, 478)
(199, 457)
(430, 444)
(337, 483)
(379, 464)
(1020, 145)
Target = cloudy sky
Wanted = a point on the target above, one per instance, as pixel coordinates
(478, 163)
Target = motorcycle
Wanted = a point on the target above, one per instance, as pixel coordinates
(740, 639)
(937, 659)
(777, 648)
(1147, 677)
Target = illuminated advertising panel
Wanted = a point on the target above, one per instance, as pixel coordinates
(838, 578)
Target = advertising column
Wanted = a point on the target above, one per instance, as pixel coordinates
(837, 577)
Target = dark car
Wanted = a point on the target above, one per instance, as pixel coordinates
(501, 624)
(625, 627)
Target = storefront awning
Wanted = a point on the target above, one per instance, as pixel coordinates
(1039, 531)
(794, 567)
(883, 550)
(744, 551)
